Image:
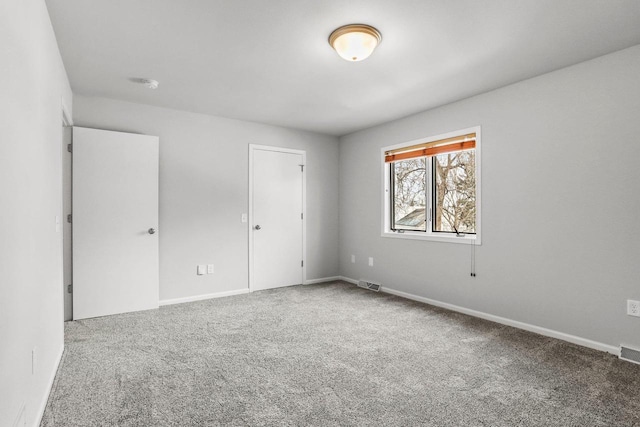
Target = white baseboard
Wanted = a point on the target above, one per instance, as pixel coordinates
(203, 297)
(322, 280)
(503, 320)
(43, 404)
(347, 279)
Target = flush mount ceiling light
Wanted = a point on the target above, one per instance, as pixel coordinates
(355, 42)
(150, 83)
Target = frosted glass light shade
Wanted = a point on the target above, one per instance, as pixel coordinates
(355, 42)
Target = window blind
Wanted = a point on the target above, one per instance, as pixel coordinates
(448, 145)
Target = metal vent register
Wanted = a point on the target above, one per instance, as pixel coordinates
(369, 285)
(629, 354)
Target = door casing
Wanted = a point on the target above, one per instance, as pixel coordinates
(65, 209)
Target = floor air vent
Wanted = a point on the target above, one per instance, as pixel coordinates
(629, 354)
(369, 285)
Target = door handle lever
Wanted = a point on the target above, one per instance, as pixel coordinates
(257, 227)
(152, 231)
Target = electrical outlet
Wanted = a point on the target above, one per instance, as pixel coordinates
(243, 218)
(370, 261)
(633, 308)
(202, 269)
(209, 268)
(353, 259)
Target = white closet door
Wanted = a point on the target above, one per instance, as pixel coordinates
(115, 222)
(277, 223)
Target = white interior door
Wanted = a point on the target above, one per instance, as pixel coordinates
(277, 224)
(115, 218)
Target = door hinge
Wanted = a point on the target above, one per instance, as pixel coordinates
(70, 289)
(69, 149)
(69, 218)
(301, 168)
(302, 216)
(302, 263)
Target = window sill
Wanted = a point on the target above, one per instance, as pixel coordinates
(469, 239)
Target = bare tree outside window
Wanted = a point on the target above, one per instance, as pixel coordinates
(455, 192)
(409, 194)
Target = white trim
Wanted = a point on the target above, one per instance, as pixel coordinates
(419, 235)
(428, 235)
(67, 119)
(250, 219)
(252, 149)
(67, 122)
(304, 215)
(504, 321)
(322, 280)
(203, 297)
(349, 280)
(278, 149)
(43, 404)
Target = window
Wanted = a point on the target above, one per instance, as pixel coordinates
(432, 188)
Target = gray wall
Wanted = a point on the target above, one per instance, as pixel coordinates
(204, 191)
(32, 86)
(560, 205)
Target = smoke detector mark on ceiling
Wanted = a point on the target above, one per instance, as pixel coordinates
(149, 83)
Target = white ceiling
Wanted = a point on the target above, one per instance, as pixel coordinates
(269, 61)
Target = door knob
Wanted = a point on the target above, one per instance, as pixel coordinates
(152, 231)
(257, 227)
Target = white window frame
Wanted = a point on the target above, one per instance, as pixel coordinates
(468, 239)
